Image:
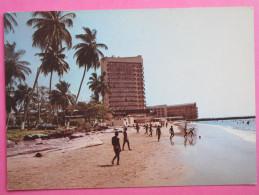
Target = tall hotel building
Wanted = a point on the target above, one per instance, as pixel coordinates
(125, 77)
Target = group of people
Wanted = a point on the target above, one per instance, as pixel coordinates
(116, 141)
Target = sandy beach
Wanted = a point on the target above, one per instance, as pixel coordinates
(179, 162)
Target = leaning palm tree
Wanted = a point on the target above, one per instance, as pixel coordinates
(62, 96)
(9, 21)
(51, 33)
(88, 53)
(14, 67)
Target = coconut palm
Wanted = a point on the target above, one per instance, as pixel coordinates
(62, 96)
(10, 103)
(95, 98)
(14, 67)
(51, 29)
(53, 61)
(9, 21)
(98, 85)
(51, 33)
(21, 96)
(103, 87)
(88, 53)
(93, 86)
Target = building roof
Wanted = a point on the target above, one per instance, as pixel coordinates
(157, 106)
(187, 104)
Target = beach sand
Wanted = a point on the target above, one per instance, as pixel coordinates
(150, 163)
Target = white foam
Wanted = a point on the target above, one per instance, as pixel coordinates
(245, 135)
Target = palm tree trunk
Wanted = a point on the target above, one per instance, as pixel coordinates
(34, 85)
(29, 99)
(71, 112)
(50, 106)
(57, 118)
(38, 104)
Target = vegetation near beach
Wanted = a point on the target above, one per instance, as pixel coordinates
(30, 106)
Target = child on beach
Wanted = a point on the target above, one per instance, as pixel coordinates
(125, 138)
(116, 147)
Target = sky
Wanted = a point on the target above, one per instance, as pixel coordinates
(202, 55)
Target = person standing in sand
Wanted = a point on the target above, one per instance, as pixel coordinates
(158, 130)
(116, 147)
(125, 138)
(146, 127)
(150, 130)
(171, 130)
(137, 127)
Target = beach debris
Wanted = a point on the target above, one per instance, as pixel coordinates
(38, 154)
(30, 137)
(76, 135)
(39, 141)
(10, 144)
(199, 137)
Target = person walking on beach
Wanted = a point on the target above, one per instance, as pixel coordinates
(150, 130)
(185, 130)
(171, 130)
(137, 127)
(125, 138)
(158, 130)
(146, 126)
(116, 147)
(191, 131)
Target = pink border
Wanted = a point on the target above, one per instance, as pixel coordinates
(43, 5)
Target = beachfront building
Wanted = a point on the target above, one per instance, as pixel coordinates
(125, 77)
(180, 111)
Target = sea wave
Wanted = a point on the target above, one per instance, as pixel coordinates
(244, 134)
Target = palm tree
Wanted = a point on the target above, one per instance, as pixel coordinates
(9, 21)
(62, 96)
(95, 98)
(51, 33)
(53, 61)
(14, 67)
(88, 53)
(10, 103)
(103, 87)
(51, 29)
(98, 85)
(21, 96)
(93, 86)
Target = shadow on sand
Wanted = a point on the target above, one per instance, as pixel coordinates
(105, 165)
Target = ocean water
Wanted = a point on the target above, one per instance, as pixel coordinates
(243, 128)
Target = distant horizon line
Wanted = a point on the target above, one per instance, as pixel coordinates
(225, 118)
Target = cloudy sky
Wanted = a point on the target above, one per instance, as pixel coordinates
(202, 55)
